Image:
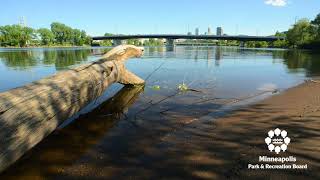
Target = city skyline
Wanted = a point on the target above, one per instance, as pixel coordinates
(197, 31)
(166, 17)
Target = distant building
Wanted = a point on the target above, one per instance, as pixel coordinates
(197, 32)
(209, 31)
(189, 33)
(219, 31)
(22, 21)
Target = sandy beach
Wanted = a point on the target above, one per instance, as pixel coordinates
(225, 147)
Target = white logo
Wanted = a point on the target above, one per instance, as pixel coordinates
(277, 140)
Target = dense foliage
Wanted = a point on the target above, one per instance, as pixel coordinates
(153, 42)
(136, 42)
(305, 34)
(59, 34)
(15, 35)
(301, 33)
(47, 37)
(106, 42)
(66, 35)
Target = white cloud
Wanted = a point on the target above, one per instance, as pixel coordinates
(276, 2)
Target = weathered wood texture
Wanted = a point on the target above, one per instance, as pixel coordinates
(30, 113)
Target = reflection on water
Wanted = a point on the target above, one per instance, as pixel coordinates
(64, 58)
(303, 60)
(129, 130)
(224, 71)
(18, 67)
(19, 60)
(61, 59)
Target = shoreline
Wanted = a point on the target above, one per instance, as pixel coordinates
(218, 148)
(89, 46)
(224, 147)
(236, 139)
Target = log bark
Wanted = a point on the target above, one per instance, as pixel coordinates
(30, 113)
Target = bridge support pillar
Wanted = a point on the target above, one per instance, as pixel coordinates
(117, 42)
(169, 42)
(242, 44)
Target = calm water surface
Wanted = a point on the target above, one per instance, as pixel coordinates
(131, 122)
(233, 70)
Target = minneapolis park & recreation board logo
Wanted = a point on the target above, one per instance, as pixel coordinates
(277, 140)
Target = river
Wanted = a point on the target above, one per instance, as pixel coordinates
(126, 128)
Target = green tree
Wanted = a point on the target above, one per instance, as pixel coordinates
(153, 42)
(1, 38)
(316, 24)
(135, 42)
(16, 35)
(84, 38)
(301, 33)
(257, 44)
(79, 38)
(65, 35)
(316, 21)
(61, 32)
(261, 44)
(47, 37)
(76, 37)
(280, 43)
(107, 42)
(27, 34)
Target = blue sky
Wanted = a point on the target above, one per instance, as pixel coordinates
(252, 17)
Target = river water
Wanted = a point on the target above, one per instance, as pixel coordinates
(113, 134)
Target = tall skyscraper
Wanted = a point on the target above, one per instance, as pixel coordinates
(197, 32)
(209, 31)
(219, 31)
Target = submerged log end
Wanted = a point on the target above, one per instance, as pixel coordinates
(120, 54)
(128, 78)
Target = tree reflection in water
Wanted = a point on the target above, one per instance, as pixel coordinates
(61, 59)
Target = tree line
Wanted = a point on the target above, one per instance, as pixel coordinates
(136, 42)
(58, 34)
(304, 34)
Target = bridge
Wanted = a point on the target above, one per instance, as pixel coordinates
(118, 39)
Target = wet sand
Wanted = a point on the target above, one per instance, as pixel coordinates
(185, 146)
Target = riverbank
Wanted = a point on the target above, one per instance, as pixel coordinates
(220, 148)
(223, 148)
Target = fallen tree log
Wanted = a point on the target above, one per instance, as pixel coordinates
(30, 113)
